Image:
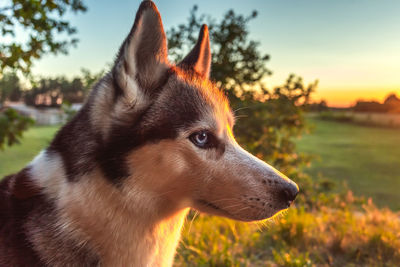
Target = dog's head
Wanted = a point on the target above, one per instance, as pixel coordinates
(167, 132)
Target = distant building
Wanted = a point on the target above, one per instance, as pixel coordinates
(393, 103)
(390, 105)
(369, 106)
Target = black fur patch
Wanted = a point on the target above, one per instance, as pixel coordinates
(77, 143)
(150, 49)
(23, 208)
(82, 148)
(143, 6)
(155, 123)
(15, 249)
(200, 53)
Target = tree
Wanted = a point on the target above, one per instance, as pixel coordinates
(53, 92)
(89, 79)
(10, 88)
(46, 32)
(12, 126)
(269, 119)
(42, 21)
(45, 92)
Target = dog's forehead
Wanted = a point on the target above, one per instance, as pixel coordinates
(200, 94)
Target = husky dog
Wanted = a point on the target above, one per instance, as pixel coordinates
(152, 141)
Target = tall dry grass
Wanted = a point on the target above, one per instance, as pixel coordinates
(338, 233)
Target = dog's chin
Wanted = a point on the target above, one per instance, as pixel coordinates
(210, 208)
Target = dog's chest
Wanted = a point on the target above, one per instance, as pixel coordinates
(146, 246)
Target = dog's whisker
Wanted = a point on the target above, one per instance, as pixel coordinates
(191, 221)
(241, 116)
(241, 108)
(223, 199)
(239, 210)
(231, 206)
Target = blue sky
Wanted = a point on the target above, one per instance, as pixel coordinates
(351, 46)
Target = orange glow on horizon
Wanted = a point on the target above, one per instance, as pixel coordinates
(348, 98)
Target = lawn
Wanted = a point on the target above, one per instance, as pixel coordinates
(12, 159)
(366, 158)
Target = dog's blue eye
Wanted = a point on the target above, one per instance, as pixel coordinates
(202, 139)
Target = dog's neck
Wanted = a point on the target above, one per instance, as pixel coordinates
(96, 214)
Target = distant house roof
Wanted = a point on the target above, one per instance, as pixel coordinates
(392, 100)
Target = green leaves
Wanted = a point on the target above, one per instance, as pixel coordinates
(237, 61)
(42, 21)
(12, 125)
(10, 88)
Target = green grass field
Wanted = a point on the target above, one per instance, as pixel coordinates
(12, 159)
(366, 158)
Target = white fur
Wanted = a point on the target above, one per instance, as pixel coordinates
(48, 173)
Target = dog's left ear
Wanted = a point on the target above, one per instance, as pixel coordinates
(142, 60)
(199, 59)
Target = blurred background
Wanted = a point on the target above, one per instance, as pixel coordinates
(315, 87)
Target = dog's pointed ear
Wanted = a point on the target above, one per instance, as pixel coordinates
(199, 59)
(142, 59)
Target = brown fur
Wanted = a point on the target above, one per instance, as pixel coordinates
(115, 184)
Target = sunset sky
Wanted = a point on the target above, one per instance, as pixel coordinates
(351, 46)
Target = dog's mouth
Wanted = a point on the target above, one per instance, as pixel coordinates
(209, 207)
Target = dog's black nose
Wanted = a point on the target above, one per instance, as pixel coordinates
(289, 193)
